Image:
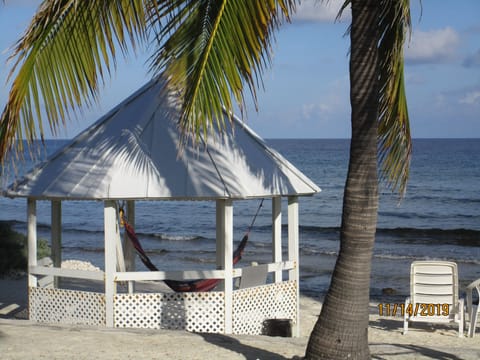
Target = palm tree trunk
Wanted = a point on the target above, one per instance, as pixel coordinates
(341, 331)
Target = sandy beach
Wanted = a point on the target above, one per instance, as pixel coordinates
(23, 339)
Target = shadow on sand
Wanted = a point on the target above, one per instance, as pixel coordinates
(249, 352)
(403, 351)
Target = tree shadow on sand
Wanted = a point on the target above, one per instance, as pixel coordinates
(401, 351)
(249, 352)
(397, 325)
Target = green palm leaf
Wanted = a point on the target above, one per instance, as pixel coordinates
(61, 59)
(395, 145)
(394, 140)
(210, 49)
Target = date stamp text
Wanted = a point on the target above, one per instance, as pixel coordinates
(417, 309)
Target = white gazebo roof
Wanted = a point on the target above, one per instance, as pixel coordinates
(132, 153)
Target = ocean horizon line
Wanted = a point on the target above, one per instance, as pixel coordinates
(296, 138)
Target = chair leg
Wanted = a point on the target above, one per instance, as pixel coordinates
(473, 321)
(461, 311)
(405, 317)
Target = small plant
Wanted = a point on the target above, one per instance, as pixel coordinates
(14, 249)
(43, 249)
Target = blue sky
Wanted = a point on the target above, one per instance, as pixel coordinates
(306, 91)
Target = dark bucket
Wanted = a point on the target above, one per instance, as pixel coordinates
(277, 327)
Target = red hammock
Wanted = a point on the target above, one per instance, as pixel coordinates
(184, 286)
(181, 286)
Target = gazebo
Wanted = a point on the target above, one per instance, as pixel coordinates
(132, 153)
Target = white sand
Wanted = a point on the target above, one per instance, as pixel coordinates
(23, 339)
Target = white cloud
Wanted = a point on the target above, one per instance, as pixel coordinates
(441, 100)
(470, 98)
(472, 60)
(319, 11)
(415, 78)
(333, 102)
(312, 111)
(432, 46)
(21, 3)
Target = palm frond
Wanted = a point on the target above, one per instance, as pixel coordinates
(59, 62)
(210, 49)
(394, 144)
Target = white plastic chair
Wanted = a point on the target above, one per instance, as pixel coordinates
(473, 310)
(434, 295)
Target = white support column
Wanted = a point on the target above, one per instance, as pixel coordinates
(277, 235)
(293, 249)
(32, 239)
(220, 239)
(56, 213)
(119, 252)
(129, 250)
(225, 257)
(119, 244)
(110, 228)
(220, 231)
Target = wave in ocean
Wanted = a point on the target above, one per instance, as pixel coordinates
(389, 256)
(426, 258)
(460, 236)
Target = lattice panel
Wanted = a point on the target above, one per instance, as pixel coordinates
(66, 306)
(251, 306)
(196, 312)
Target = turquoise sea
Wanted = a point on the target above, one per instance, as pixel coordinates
(439, 218)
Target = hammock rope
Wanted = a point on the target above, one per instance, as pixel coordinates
(176, 285)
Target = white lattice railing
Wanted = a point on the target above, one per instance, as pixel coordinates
(252, 306)
(66, 306)
(205, 311)
(196, 312)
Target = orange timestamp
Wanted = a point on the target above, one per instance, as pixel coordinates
(417, 309)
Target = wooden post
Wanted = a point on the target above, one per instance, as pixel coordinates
(293, 249)
(110, 228)
(128, 248)
(277, 235)
(225, 256)
(32, 239)
(56, 213)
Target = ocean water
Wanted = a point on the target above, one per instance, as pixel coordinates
(439, 218)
